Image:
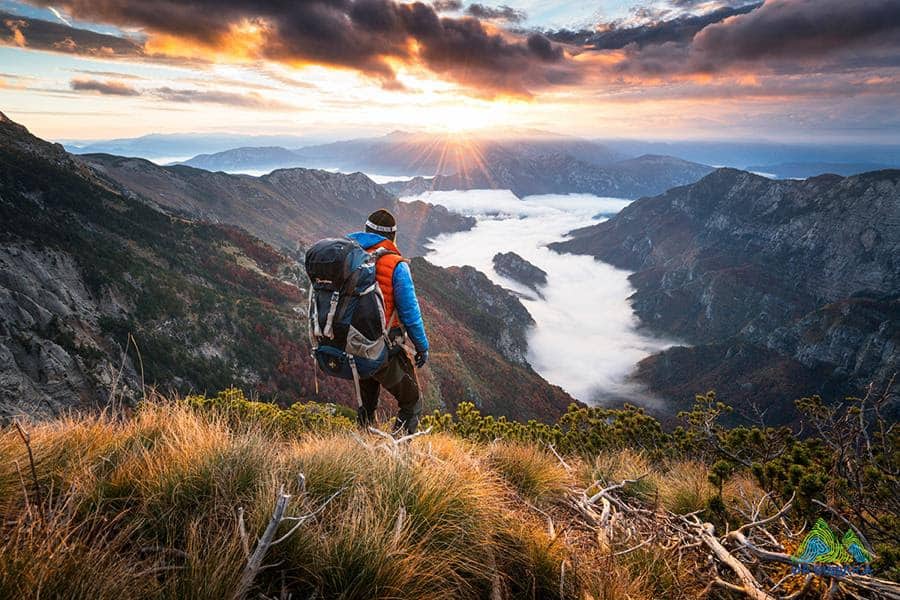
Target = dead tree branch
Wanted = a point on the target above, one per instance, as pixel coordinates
(267, 540)
(26, 439)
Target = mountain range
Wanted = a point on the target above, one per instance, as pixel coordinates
(783, 288)
(169, 146)
(404, 153)
(286, 208)
(804, 170)
(742, 154)
(105, 290)
(527, 175)
(536, 163)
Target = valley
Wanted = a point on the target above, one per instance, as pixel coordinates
(106, 293)
(731, 283)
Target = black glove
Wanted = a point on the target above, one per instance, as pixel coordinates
(421, 357)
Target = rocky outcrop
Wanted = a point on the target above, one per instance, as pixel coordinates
(807, 271)
(511, 317)
(50, 347)
(284, 208)
(510, 264)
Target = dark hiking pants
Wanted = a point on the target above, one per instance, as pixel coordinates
(398, 376)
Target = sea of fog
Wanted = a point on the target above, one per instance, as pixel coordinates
(586, 338)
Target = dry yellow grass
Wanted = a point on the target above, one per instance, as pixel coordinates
(145, 507)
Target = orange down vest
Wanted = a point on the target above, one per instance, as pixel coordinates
(384, 274)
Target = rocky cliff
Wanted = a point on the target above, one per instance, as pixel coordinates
(102, 294)
(800, 278)
(283, 208)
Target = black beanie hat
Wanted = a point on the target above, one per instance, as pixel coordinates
(383, 223)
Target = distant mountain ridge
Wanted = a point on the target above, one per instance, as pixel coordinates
(805, 170)
(282, 208)
(169, 146)
(403, 153)
(563, 174)
(785, 287)
(537, 164)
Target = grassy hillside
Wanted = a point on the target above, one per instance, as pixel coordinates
(153, 505)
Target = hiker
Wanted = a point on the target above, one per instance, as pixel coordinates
(398, 375)
(362, 305)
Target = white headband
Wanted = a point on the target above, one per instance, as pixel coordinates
(381, 228)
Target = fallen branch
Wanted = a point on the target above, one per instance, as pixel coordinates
(267, 540)
(26, 438)
(397, 443)
(262, 546)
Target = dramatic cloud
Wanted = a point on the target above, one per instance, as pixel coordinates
(447, 5)
(58, 37)
(501, 13)
(112, 87)
(250, 100)
(802, 29)
(679, 30)
(371, 36)
(107, 88)
(783, 36)
(752, 44)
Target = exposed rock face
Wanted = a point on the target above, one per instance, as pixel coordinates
(559, 173)
(510, 264)
(513, 317)
(43, 366)
(283, 208)
(806, 271)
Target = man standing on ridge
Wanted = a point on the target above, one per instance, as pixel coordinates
(398, 374)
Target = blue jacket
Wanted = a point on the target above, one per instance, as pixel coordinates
(404, 293)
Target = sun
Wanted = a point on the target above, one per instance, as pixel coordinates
(466, 118)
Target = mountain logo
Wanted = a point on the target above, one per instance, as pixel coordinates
(824, 553)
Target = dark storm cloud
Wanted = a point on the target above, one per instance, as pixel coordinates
(447, 5)
(107, 88)
(801, 29)
(57, 37)
(781, 36)
(366, 35)
(500, 13)
(679, 30)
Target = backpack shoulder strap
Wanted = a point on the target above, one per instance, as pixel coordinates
(379, 252)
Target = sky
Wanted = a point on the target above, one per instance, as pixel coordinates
(779, 70)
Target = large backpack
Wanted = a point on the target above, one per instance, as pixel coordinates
(346, 310)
